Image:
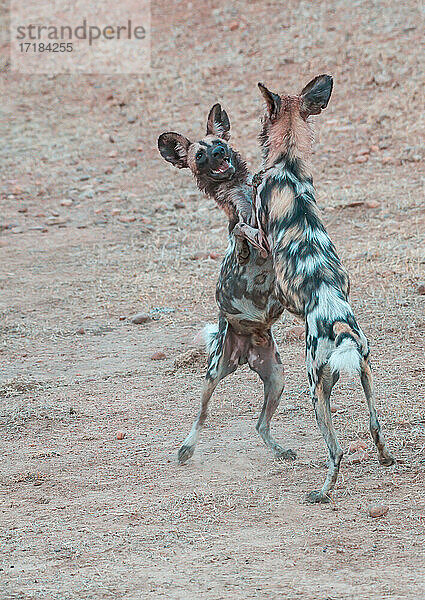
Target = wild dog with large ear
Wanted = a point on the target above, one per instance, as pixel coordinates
(245, 290)
(310, 279)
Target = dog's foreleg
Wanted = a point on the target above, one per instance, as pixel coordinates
(321, 384)
(253, 236)
(385, 457)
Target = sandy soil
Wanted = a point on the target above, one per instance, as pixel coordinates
(87, 516)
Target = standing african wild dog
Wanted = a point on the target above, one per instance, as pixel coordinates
(245, 290)
(310, 279)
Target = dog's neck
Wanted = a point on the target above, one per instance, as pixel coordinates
(233, 196)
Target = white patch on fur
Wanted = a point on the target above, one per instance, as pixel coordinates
(208, 334)
(345, 358)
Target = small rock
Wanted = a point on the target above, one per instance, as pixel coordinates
(81, 331)
(382, 78)
(295, 333)
(132, 119)
(233, 26)
(214, 255)
(179, 205)
(140, 318)
(120, 435)
(334, 409)
(198, 256)
(372, 204)
(113, 154)
(16, 230)
(127, 219)
(23, 209)
(158, 356)
(38, 228)
(84, 177)
(111, 139)
(108, 171)
(357, 445)
(55, 221)
(140, 149)
(122, 317)
(67, 202)
(357, 457)
(378, 510)
(361, 158)
(363, 150)
(374, 148)
(132, 163)
(115, 211)
(388, 160)
(421, 289)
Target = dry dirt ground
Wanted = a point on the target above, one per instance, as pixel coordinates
(87, 516)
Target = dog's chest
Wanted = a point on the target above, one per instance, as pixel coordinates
(247, 292)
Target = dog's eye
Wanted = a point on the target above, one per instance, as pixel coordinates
(199, 156)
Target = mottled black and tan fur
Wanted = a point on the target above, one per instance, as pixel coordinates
(310, 280)
(245, 291)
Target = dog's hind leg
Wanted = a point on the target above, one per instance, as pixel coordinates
(222, 360)
(265, 361)
(385, 457)
(321, 384)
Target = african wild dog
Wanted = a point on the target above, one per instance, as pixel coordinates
(245, 289)
(310, 279)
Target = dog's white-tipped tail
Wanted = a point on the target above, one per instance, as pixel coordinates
(346, 357)
(207, 336)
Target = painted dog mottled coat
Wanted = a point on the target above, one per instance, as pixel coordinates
(310, 280)
(245, 291)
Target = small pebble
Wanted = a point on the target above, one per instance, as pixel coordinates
(233, 26)
(378, 510)
(334, 408)
(81, 331)
(362, 158)
(214, 255)
(115, 211)
(295, 333)
(357, 445)
(372, 204)
(158, 356)
(140, 318)
(179, 205)
(421, 289)
(67, 202)
(131, 119)
(23, 209)
(122, 317)
(127, 219)
(120, 435)
(357, 457)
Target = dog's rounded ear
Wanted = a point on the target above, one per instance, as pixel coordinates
(315, 96)
(218, 123)
(174, 148)
(273, 101)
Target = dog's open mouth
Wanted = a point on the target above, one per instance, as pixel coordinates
(224, 168)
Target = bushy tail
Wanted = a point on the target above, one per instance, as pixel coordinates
(208, 335)
(347, 354)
